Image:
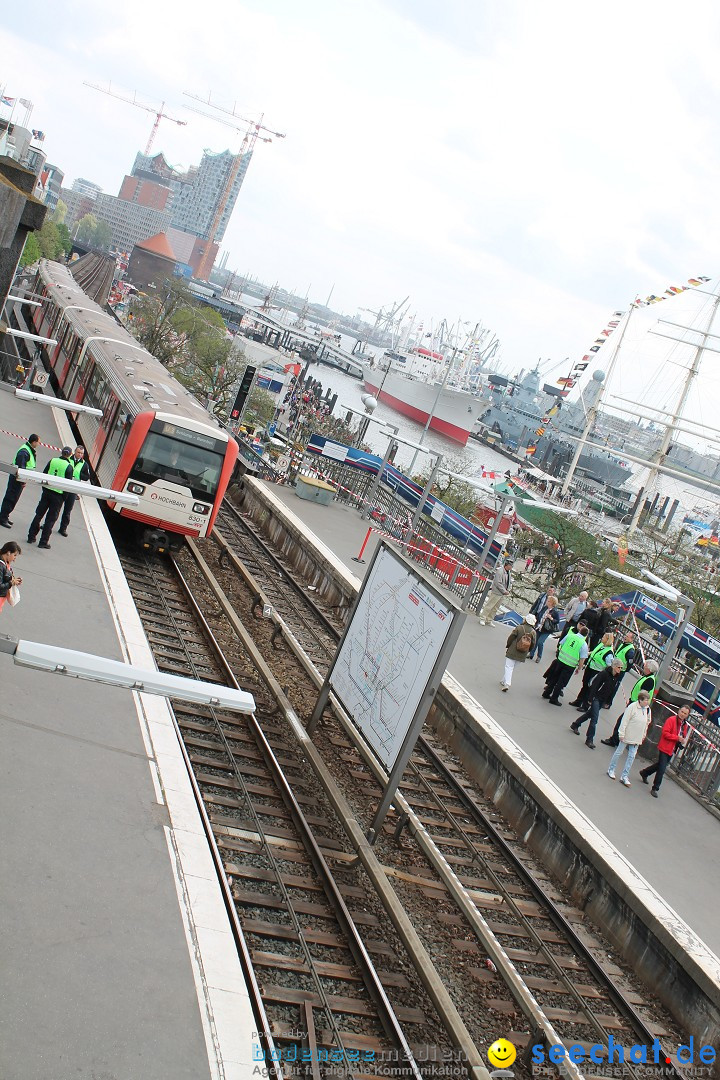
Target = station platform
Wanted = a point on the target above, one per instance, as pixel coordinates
(671, 841)
(118, 959)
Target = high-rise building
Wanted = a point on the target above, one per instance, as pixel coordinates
(129, 221)
(86, 187)
(198, 199)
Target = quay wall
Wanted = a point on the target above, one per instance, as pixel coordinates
(653, 939)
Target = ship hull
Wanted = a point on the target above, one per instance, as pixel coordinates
(453, 415)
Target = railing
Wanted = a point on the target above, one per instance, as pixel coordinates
(428, 545)
(699, 763)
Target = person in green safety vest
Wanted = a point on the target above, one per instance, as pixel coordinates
(51, 500)
(24, 459)
(600, 658)
(571, 656)
(647, 683)
(81, 471)
(626, 651)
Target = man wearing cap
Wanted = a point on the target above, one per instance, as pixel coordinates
(519, 644)
(51, 499)
(80, 472)
(500, 588)
(24, 459)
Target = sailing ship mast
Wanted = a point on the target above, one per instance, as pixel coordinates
(658, 458)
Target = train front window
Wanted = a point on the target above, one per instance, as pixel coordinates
(165, 457)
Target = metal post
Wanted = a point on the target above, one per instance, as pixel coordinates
(425, 492)
(686, 606)
(376, 482)
(486, 550)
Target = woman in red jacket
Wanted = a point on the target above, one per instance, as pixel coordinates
(673, 732)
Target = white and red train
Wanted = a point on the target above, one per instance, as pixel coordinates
(153, 439)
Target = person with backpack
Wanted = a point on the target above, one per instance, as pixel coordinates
(547, 623)
(519, 643)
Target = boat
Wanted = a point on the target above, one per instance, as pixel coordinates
(533, 421)
(420, 384)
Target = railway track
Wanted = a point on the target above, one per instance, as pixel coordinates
(502, 935)
(330, 978)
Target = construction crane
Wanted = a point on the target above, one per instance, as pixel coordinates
(158, 113)
(252, 133)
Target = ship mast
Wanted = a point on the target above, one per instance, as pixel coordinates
(593, 410)
(661, 453)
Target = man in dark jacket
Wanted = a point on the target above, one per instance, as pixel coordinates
(603, 689)
(605, 622)
(51, 499)
(24, 459)
(647, 683)
(81, 471)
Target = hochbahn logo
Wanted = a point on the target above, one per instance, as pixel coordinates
(167, 499)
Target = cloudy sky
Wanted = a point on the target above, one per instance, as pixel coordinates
(529, 166)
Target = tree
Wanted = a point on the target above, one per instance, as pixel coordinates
(65, 238)
(260, 408)
(59, 213)
(152, 322)
(103, 236)
(51, 246)
(31, 251)
(86, 227)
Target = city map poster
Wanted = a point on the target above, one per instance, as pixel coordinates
(391, 651)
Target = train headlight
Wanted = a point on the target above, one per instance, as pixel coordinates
(200, 508)
(136, 489)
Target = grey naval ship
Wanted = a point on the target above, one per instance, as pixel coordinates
(521, 417)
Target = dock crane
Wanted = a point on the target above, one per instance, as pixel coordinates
(252, 130)
(158, 113)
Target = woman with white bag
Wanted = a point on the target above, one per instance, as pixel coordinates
(8, 582)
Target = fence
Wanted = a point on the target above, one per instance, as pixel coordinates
(428, 544)
(699, 763)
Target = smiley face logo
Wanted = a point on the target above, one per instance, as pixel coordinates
(501, 1054)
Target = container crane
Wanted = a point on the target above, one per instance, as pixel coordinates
(158, 113)
(252, 131)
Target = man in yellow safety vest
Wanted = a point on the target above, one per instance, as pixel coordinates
(51, 500)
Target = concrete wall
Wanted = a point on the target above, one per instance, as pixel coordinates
(20, 213)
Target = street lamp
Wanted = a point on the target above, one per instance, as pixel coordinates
(685, 606)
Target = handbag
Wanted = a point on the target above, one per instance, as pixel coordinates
(13, 596)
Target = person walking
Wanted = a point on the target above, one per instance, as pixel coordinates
(518, 647)
(573, 610)
(24, 459)
(571, 656)
(548, 624)
(674, 733)
(647, 683)
(602, 690)
(634, 725)
(540, 603)
(51, 500)
(500, 588)
(81, 471)
(626, 650)
(600, 658)
(605, 620)
(8, 554)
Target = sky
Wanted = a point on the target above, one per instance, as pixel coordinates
(532, 167)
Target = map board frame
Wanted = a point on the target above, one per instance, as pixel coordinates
(401, 632)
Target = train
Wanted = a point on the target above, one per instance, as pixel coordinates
(153, 439)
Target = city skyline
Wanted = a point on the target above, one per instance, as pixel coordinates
(532, 169)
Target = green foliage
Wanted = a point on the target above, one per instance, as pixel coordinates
(152, 321)
(51, 246)
(260, 409)
(59, 213)
(94, 233)
(65, 238)
(31, 251)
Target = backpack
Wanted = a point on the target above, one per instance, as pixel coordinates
(524, 643)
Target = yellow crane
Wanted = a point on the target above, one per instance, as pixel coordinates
(158, 113)
(252, 130)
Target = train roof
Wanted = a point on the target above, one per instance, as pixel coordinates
(142, 381)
